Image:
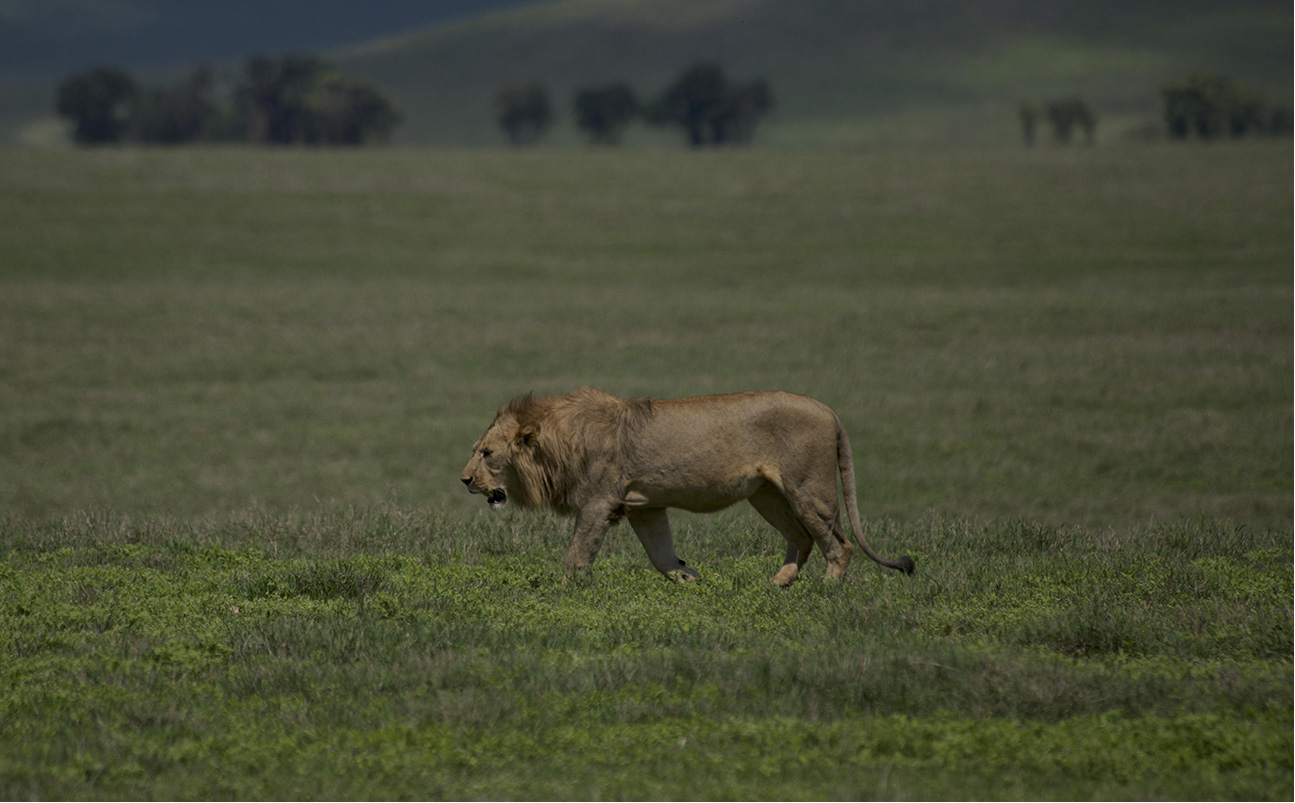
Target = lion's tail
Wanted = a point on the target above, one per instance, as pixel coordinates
(845, 462)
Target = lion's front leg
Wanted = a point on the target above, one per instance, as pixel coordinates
(591, 525)
(653, 529)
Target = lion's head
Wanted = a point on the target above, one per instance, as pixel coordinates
(538, 449)
(492, 470)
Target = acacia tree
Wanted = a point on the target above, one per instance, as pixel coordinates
(302, 99)
(184, 113)
(338, 111)
(1209, 106)
(709, 108)
(99, 103)
(1028, 114)
(602, 113)
(524, 112)
(691, 102)
(740, 109)
(288, 100)
(1069, 114)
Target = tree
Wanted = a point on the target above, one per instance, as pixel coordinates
(1210, 106)
(178, 114)
(1028, 113)
(1066, 115)
(302, 99)
(691, 102)
(740, 109)
(524, 112)
(273, 96)
(709, 108)
(286, 100)
(603, 113)
(99, 104)
(339, 111)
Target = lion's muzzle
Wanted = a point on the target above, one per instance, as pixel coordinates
(495, 497)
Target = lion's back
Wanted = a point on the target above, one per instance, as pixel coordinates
(735, 417)
(711, 437)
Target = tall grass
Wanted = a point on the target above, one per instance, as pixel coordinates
(1094, 336)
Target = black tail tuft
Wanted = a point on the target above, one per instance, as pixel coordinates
(904, 564)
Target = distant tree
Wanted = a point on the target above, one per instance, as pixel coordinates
(302, 99)
(273, 95)
(369, 114)
(172, 115)
(339, 111)
(524, 112)
(1069, 114)
(288, 100)
(709, 108)
(742, 107)
(99, 103)
(1028, 113)
(1210, 106)
(602, 113)
(1280, 123)
(691, 102)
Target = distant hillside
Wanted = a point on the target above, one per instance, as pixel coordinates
(842, 71)
(51, 38)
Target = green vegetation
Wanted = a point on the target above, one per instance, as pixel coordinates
(1209, 106)
(1096, 338)
(524, 112)
(710, 108)
(382, 654)
(289, 100)
(238, 387)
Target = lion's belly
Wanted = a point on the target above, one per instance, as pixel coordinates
(708, 453)
(703, 496)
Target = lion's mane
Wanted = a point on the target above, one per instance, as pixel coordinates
(564, 443)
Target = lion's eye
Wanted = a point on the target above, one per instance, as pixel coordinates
(485, 452)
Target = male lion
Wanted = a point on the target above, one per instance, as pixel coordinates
(604, 458)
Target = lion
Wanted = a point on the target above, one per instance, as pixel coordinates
(601, 459)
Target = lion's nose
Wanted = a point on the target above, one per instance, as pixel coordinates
(466, 480)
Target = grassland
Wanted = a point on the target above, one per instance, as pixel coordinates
(237, 387)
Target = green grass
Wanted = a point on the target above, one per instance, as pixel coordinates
(1095, 336)
(237, 387)
(388, 654)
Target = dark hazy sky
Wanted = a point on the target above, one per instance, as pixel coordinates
(52, 38)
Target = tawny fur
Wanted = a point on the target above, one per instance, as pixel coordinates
(600, 458)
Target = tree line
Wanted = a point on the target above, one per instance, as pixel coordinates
(1212, 106)
(1203, 105)
(301, 99)
(1065, 116)
(706, 105)
(287, 100)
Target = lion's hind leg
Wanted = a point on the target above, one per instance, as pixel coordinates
(818, 515)
(653, 529)
(774, 508)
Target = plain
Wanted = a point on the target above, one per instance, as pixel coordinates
(237, 388)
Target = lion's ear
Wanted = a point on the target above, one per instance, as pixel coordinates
(527, 434)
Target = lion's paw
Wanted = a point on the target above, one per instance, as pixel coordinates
(684, 574)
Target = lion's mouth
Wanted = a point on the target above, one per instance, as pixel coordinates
(496, 498)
